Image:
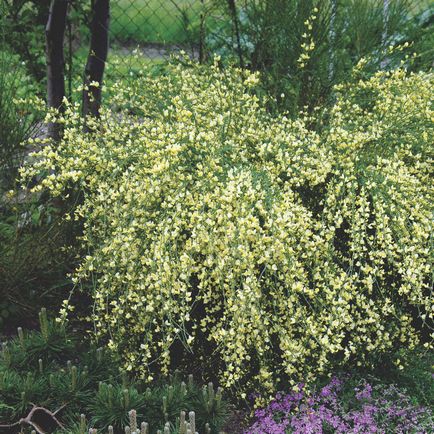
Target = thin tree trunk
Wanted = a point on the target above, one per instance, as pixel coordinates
(54, 35)
(384, 34)
(332, 39)
(70, 60)
(233, 10)
(202, 33)
(99, 42)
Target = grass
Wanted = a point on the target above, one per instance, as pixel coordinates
(155, 21)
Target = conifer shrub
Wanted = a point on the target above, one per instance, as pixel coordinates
(266, 249)
(77, 387)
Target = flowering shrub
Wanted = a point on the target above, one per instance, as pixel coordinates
(338, 409)
(281, 251)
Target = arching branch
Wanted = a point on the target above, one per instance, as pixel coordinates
(40, 419)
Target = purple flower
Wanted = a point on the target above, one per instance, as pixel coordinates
(365, 393)
(370, 409)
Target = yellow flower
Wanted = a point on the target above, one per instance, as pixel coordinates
(315, 246)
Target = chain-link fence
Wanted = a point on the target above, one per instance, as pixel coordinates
(158, 28)
(153, 30)
(253, 32)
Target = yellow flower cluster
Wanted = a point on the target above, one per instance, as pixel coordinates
(308, 44)
(285, 249)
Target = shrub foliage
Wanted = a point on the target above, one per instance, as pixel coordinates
(281, 250)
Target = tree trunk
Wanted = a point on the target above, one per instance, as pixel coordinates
(99, 42)
(202, 33)
(54, 35)
(233, 11)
